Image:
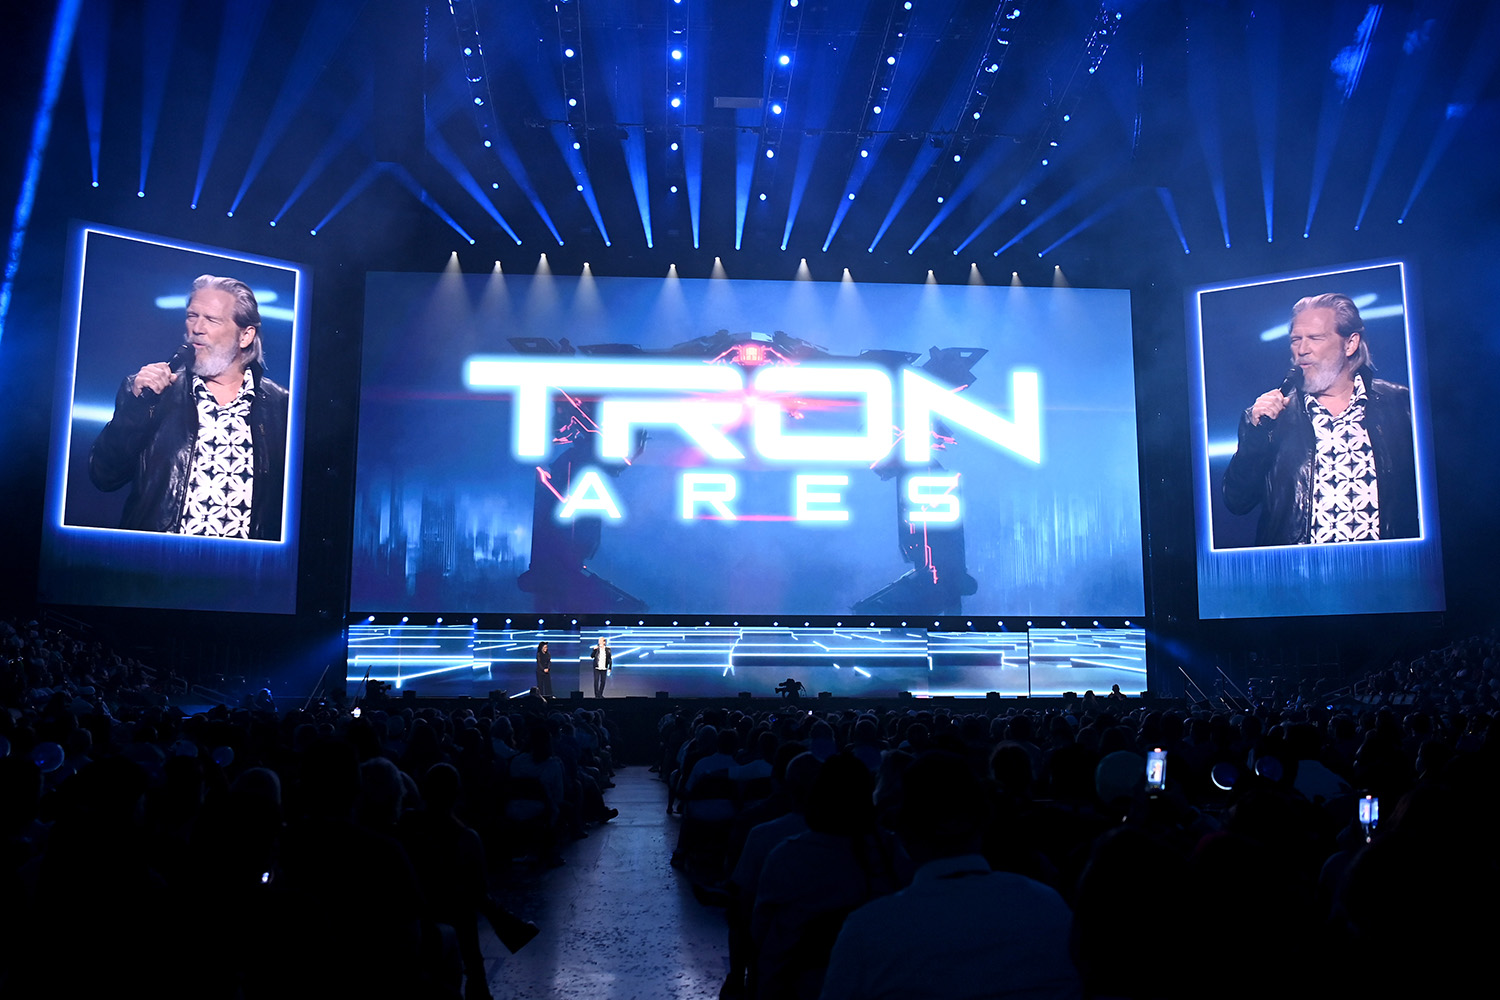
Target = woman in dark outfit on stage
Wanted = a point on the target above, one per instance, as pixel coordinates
(543, 670)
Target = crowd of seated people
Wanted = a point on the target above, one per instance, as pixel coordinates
(246, 853)
(953, 853)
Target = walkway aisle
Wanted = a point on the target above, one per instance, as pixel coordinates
(617, 921)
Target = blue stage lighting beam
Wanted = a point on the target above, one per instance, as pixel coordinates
(926, 157)
(1409, 78)
(1170, 205)
(1014, 195)
(355, 122)
(63, 26)
(1204, 65)
(563, 135)
(1263, 49)
(237, 34)
(93, 65)
(326, 30)
(692, 168)
(409, 182)
(745, 148)
(1478, 67)
(1346, 68)
(360, 183)
(1090, 219)
(160, 38)
(1066, 201)
(449, 160)
(635, 161)
(993, 154)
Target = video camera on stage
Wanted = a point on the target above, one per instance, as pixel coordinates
(790, 688)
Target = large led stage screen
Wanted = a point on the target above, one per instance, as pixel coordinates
(150, 503)
(1304, 510)
(624, 445)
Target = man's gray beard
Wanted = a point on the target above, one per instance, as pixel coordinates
(215, 362)
(1320, 378)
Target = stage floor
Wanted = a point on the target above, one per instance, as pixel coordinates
(708, 662)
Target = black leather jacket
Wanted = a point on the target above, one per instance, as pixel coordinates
(1273, 467)
(149, 444)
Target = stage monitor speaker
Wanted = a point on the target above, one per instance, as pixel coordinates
(1070, 696)
(409, 695)
(825, 694)
(992, 695)
(575, 695)
(746, 694)
(662, 695)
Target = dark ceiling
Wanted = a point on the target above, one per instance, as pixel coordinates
(1101, 131)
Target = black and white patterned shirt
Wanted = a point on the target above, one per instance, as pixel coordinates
(1346, 500)
(219, 485)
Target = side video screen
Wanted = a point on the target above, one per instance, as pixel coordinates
(748, 447)
(1313, 464)
(176, 438)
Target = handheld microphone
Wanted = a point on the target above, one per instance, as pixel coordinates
(178, 362)
(1292, 382)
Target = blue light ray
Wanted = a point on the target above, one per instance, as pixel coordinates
(1263, 41)
(563, 136)
(515, 169)
(449, 161)
(93, 65)
(360, 183)
(806, 157)
(1170, 205)
(356, 119)
(325, 32)
(746, 144)
(1203, 97)
(1409, 78)
(1090, 219)
(409, 182)
(925, 158)
(692, 166)
(1478, 67)
(63, 26)
(635, 160)
(160, 38)
(1012, 197)
(1066, 201)
(237, 35)
(982, 168)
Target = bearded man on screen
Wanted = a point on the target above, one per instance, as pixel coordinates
(1328, 457)
(201, 440)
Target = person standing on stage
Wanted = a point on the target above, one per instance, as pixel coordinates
(543, 670)
(603, 664)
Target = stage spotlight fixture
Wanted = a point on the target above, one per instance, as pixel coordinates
(1067, 118)
(676, 102)
(494, 186)
(479, 100)
(851, 195)
(577, 145)
(969, 624)
(641, 622)
(1063, 624)
(674, 147)
(935, 624)
(890, 60)
(785, 60)
(770, 154)
(776, 109)
(1023, 201)
(674, 188)
(230, 214)
(1028, 624)
(1045, 163)
(507, 621)
(1096, 623)
(1127, 623)
(957, 158)
(940, 199)
(575, 621)
(776, 623)
(705, 623)
(578, 187)
(473, 621)
(541, 621)
(314, 232)
(404, 619)
(864, 153)
(674, 623)
(440, 619)
(1053, 143)
(676, 53)
(736, 623)
(468, 51)
(370, 619)
(877, 109)
(572, 102)
(806, 624)
(976, 116)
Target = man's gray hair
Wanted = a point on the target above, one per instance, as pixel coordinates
(246, 310)
(1346, 320)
